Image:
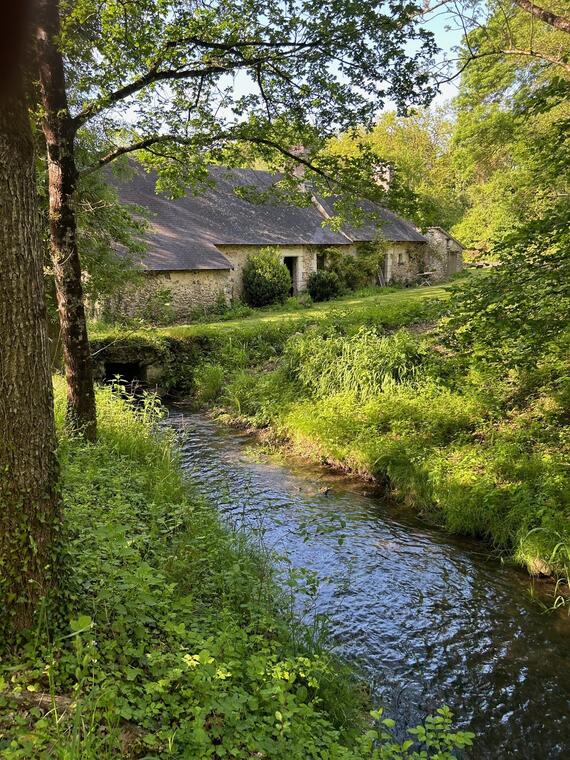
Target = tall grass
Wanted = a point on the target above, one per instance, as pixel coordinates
(364, 364)
(482, 452)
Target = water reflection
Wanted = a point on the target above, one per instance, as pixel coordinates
(429, 618)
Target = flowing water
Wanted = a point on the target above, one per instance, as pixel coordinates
(429, 619)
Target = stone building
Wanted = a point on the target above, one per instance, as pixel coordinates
(197, 245)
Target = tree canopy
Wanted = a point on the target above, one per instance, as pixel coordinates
(204, 76)
(414, 157)
(513, 111)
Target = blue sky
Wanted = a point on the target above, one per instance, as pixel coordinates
(447, 39)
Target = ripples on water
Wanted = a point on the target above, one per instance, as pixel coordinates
(429, 619)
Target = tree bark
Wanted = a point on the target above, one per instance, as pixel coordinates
(30, 507)
(562, 23)
(59, 132)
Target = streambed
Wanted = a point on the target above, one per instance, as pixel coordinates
(429, 619)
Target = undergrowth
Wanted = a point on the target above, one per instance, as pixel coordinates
(178, 645)
(482, 450)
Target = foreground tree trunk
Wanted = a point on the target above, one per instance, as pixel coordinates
(30, 509)
(59, 132)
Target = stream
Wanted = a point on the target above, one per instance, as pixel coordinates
(427, 618)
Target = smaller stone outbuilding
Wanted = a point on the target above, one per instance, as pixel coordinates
(197, 245)
(445, 254)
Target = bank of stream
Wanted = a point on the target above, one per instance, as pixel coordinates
(426, 617)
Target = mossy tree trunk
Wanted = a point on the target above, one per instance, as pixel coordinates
(30, 506)
(59, 131)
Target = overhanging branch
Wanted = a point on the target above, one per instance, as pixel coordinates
(222, 66)
(152, 140)
(562, 23)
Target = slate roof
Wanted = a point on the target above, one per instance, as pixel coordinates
(184, 233)
(391, 226)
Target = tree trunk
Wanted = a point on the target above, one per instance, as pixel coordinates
(59, 132)
(30, 509)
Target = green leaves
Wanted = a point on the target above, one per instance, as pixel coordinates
(511, 141)
(266, 279)
(80, 625)
(201, 84)
(182, 652)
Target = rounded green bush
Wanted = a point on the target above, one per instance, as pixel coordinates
(323, 285)
(266, 279)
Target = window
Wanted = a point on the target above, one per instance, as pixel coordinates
(401, 258)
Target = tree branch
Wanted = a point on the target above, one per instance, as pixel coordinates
(152, 76)
(132, 148)
(562, 23)
(148, 142)
(506, 51)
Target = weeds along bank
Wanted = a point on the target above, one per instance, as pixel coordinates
(480, 448)
(250, 342)
(177, 645)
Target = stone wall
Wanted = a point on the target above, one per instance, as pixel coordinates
(172, 296)
(446, 253)
(442, 255)
(404, 261)
(176, 295)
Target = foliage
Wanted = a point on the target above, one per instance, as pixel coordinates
(363, 365)
(266, 279)
(208, 382)
(413, 155)
(170, 75)
(109, 233)
(482, 452)
(478, 443)
(511, 139)
(176, 646)
(356, 272)
(109, 238)
(513, 315)
(323, 285)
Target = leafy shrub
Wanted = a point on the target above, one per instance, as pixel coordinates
(356, 272)
(323, 285)
(511, 315)
(266, 279)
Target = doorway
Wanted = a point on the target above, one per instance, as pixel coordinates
(291, 262)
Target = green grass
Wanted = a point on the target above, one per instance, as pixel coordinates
(479, 451)
(388, 304)
(179, 644)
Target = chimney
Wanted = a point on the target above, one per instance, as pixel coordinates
(300, 151)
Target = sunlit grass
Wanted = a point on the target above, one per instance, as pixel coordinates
(383, 301)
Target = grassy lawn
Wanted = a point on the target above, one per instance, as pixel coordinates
(384, 304)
